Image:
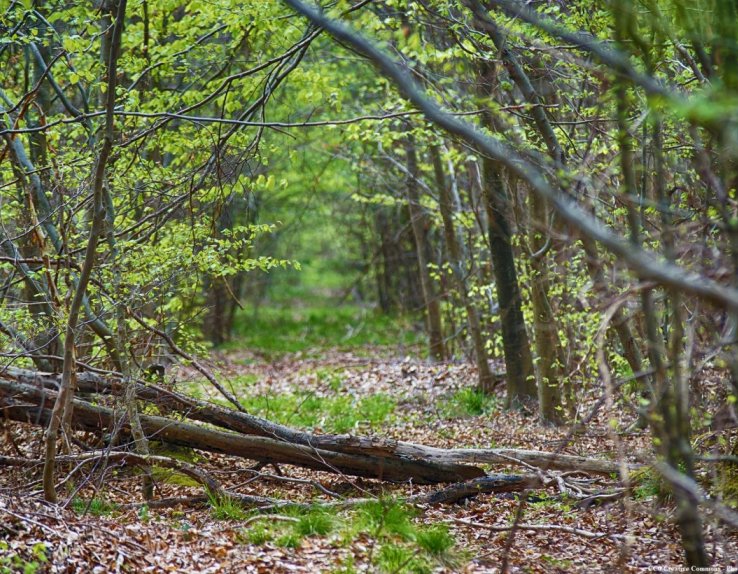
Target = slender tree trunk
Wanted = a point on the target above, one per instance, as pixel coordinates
(448, 206)
(382, 269)
(141, 443)
(669, 420)
(419, 222)
(521, 384)
(548, 345)
(62, 411)
(550, 376)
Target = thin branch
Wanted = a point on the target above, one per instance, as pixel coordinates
(646, 264)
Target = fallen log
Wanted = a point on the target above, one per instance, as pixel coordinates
(248, 424)
(168, 400)
(263, 449)
(450, 494)
(482, 485)
(493, 456)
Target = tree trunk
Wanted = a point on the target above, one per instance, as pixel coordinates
(363, 455)
(521, 384)
(486, 380)
(62, 412)
(384, 267)
(550, 376)
(419, 225)
(669, 418)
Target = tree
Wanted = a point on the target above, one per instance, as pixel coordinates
(420, 233)
(523, 174)
(669, 274)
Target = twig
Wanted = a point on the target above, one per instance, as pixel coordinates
(194, 362)
(314, 483)
(539, 527)
(31, 520)
(277, 517)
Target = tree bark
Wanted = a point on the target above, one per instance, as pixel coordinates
(370, 463)
(486, 380)
(550, 375)
(419, 225)
(38, 388)
(521, 384)
(62, 412)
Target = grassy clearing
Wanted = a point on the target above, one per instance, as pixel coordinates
(338, 414)
(291, 328)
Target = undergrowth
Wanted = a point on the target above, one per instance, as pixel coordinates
(94, 506)
(290, 328)
(399, 544)
(35, 560)
(339, 414)
(468, 402)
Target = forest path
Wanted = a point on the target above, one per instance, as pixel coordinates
(368, 392)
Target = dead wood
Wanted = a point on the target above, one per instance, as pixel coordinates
(97, 418)
(539, 528)
(448, 495)
(484, 485)
(130, 459)
(383, 453)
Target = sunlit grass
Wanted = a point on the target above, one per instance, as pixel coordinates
(401, 545)
(468, 402)
(340, 414)
(291, 328)
(226, 508)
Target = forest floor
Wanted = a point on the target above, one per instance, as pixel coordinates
(101, 526)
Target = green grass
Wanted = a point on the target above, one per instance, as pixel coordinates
(289, 540)
(387, 517)
(35, 560)
(259, 535)
(316, 523)
(435, 540)
(647, 484)
(289, 534)
(95, 506)
(143, 514)
(289, 328)
(396, 559)
(468, 402)
(339, 414)
(330, 377)
(226, 508)
(401, 545)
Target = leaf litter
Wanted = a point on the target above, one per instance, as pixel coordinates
(557, 534)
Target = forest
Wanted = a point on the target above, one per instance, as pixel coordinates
(397, 286)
